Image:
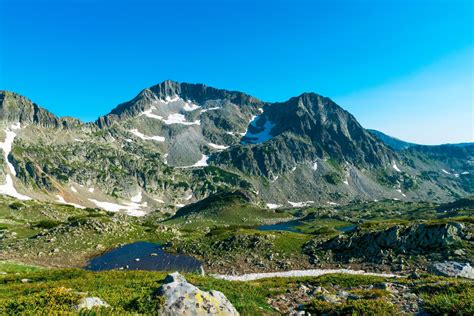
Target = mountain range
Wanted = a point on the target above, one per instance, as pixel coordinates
(178, 143)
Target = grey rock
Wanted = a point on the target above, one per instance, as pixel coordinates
(183, 298)
(330, 298)
(453, 269)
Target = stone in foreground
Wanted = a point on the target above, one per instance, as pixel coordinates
(453, 269)
(183, 298)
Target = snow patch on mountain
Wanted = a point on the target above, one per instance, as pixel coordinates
(132, 209)
(400, 191)
(210, 109)
(219, 147)
(300, 204)
(395, 167)
(189, 106)
(200, 163)
(63, 201)
(273, 206)
(445, 171)
(148, 113)
(315, 166)
(169, 99)
(137, 198)
(8, 187)
(178, 118)
(145, 137)
(263, 134)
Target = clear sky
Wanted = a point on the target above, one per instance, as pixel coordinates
(404, 67)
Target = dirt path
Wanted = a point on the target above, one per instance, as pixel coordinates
(297, 273)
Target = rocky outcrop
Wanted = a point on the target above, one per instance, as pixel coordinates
(16, 108)
(453, 269)
(377, 246)
(197, 93)
(183, 298)
(305, 128)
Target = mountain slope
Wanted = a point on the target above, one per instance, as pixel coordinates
(392, 142)
(178, 143)
(398, 144)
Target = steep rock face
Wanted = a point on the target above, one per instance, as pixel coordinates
(333, 131)
(303, 129)
(16, 108)
(197, 93)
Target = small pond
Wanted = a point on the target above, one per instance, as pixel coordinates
(143, 256)
(289, 226)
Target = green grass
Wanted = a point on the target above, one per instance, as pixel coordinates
(132, 291)
(17, 267)
(359, 307)
(222, 210)
(451, 297)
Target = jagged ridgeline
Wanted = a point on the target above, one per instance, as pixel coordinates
(178, 143)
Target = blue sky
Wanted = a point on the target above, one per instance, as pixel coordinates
(403, 67)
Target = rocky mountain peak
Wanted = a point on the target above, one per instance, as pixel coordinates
(168, 91)
(15, 108)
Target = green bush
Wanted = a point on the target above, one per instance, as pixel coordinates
(450, 304)
(16, 205)
(358, 307)
(47, 224)
(333, 178)
(145, 304)
(53, 300)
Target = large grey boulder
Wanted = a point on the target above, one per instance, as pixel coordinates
(453, 269)
(183, 298)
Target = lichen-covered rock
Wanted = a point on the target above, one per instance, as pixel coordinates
(183, 298)
(453, 269)
(90, 303)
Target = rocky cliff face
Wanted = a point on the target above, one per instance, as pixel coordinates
(15, 108)
(168, 90)
(304, 129)
(432, 240)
